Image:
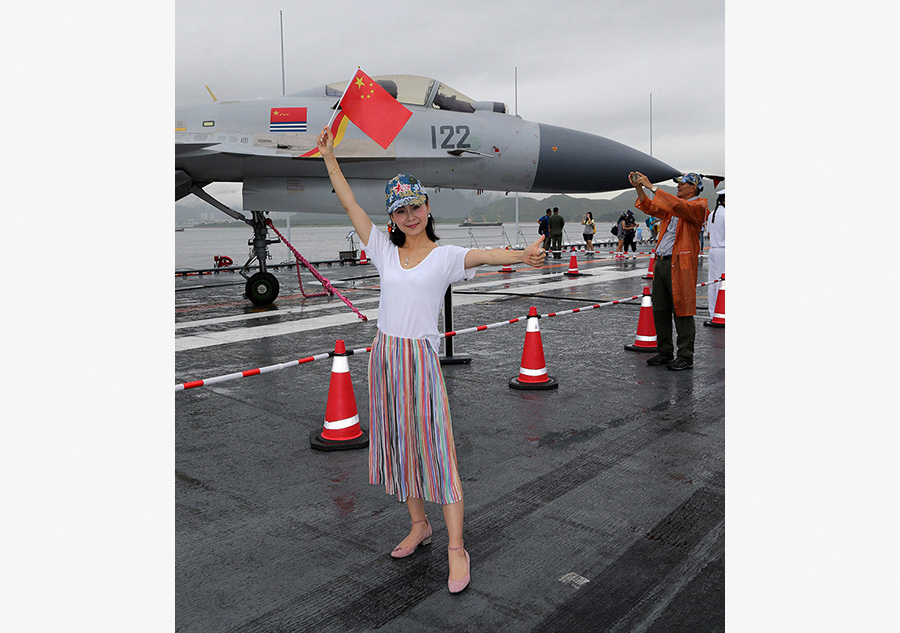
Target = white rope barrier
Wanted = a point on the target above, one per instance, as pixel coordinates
(362, 350)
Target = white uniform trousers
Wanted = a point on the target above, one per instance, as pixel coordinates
(716, 264)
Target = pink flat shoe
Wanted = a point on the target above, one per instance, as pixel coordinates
(455, 586)
(403, 552)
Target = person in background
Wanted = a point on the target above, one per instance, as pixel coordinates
(653, 225)
(411, 447)
(630, 226)
(557, 222)
(544, 229)
(716, 261)
(674, 293)
(620, 235)
(588, 233)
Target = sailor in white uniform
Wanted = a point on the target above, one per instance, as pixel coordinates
(716, 261)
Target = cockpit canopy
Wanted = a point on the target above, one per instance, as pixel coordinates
(422, 91)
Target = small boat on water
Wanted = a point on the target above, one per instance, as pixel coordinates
(470, 222)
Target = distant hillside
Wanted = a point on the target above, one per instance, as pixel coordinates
(572, 209)
(450, 206)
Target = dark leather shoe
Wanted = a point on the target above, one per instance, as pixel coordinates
(659, 359)
(679, 364)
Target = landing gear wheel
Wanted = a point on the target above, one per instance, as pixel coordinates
(262, 288)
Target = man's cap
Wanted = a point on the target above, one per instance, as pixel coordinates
(691, 178)
(402, 190)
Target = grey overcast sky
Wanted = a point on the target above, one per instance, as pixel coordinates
(590, 65)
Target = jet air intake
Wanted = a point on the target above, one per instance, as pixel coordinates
(576, 162)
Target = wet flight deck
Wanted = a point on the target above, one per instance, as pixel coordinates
(596, 506)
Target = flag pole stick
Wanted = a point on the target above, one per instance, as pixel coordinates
(343, 94)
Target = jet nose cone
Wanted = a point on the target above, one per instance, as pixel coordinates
(577, 162)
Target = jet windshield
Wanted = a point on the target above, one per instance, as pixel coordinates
(415, 90)
(410, 89)
(449, 99)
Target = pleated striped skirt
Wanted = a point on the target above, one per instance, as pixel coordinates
(411, 448)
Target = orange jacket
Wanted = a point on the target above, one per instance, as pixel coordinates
(691, 215)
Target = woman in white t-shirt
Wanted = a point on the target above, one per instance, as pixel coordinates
(411, 448)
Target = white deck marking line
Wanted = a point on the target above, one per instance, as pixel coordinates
(242, 334)
(270, 313)
(598, 275)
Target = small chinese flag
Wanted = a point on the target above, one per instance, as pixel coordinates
(373, 110)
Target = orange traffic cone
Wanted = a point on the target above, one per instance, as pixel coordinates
(362, 258)
(649, 274)
(645, 341)
(507, 268)
(342, 430)
(532, 369)
(718, 319)
(573, 268)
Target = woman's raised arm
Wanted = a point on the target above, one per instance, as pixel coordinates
(358, 217)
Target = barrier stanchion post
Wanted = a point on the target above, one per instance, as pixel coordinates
(449, 358)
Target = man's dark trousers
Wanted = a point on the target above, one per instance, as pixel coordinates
(664, 311)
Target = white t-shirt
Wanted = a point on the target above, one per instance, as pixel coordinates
(410, 302)
(717, 227)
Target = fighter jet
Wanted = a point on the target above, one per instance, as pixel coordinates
(450, 141)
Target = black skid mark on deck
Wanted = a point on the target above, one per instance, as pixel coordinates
(618, 597)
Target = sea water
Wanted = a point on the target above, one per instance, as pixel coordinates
(196, 247)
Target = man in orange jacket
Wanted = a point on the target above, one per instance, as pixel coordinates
(675, 274)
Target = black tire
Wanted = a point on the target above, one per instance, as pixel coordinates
(262, 288)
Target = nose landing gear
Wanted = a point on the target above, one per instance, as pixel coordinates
(261, 287)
